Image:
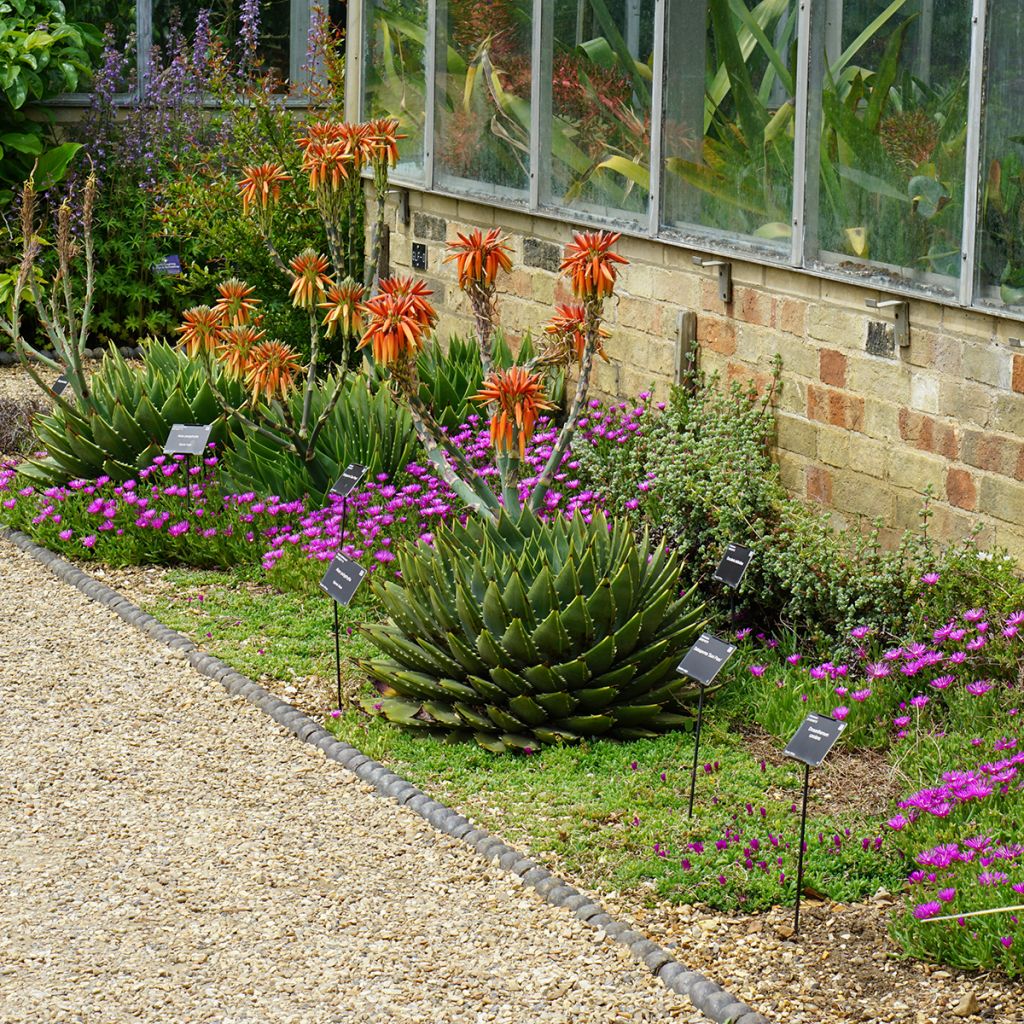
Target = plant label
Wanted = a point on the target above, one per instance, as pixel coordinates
(350, 477)
(705, 659)
(59, 386)
(168, 266)
(342, 579)
(188, 439)
(816, 736)
(733, 565)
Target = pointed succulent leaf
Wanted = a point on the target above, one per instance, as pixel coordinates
(528, 710)
(561, 704)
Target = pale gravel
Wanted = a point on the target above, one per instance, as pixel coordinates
(169, 854)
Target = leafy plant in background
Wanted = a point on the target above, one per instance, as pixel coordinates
(42, 55)
(521, 633)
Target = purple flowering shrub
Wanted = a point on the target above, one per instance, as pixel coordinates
(161, 517)
(962, 675)
(964, 837)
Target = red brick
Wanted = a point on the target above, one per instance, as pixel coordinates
(717, 335)
(928, 434)
(836, 407)
(832, 367)
(791, 315)
(754, 307)
(819, 484)
(710, 300)
(1018, 374)
(961, 490)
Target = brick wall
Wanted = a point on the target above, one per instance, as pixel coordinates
(863, 426)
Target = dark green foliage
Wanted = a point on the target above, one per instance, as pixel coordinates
(522, 633)
(128, 417)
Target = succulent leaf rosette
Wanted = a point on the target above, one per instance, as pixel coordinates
(522, 633)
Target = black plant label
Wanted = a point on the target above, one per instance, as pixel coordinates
(59, 386)
(816, 736)
(705, 659)
(349, 479)
(342, 579)
(188, 439)
(733, 565)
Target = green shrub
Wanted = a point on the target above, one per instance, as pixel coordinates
(522, 633)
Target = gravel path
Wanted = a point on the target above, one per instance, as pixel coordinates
(170, 855)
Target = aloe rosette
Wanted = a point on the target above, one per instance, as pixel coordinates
(522, 633)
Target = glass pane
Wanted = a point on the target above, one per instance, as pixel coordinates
(600, 142)
(483, 96)
(894, 116)
(175, 21)
(119, 15)
(728, 129)
(394, 80)
(1001, 236)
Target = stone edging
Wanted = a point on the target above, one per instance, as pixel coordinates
(709, 998)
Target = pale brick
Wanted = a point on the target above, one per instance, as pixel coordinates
(792, 282)
(1008, 414)
(927, 314)
(792, 471)
(869, 376)
(606, 377)
(924, 393)
(964, 321)
(791, 316)
(868, 456)
(947, 355)
(836, 326)
(793, 398)
(798, 357)
(881, 419)
(796, 435)
(967, 402)
(660, 358)
(834, 446)
(917, 470)
(988, 365)
(839, 293)
(639, 315)
(1001, 498)
(863, 495)
(637, 250)
(1010, 537)
(922, 349)
(478, 215)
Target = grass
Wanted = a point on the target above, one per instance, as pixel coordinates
(610, 814)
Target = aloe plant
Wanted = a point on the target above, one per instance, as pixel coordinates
(370, 429)
(520, 633)
(127, 417)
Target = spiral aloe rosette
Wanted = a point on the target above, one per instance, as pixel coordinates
(523, 633)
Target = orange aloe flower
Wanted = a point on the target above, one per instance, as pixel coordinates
(359, 141)
(384, 137)
(236, 304)
(311, 282)
(590, 264)
(479, 257)
(520, 398)
(200, 330)
(409, 288)
(261, 185)
(272, 369)
(344, 308)
(395, 327)
(568, 328)
(236, 345)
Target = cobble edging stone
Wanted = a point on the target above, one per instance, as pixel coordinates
(708, 997)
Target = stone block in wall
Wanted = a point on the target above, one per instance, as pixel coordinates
(928, 434)
(798, 358)
(965, 401)
(994, 453)
(717, 334)
(791, 316)
(961, 488)
(924, 392)
(542, 255)
(795, 434)
(839, 408)
(832, 367)
(862, 495)
(818, 485)
(880, 340)
(639, 315)
(429, 226)
(834, 447)
(987, 364)
(868, 455)
(1001, 498)
(917, 471)
(784, 282)
(872, 377)
(1007, 414)
(881, 418)
(965, 321)
(753, 306)
(836, 326)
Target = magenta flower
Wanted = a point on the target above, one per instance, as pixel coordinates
(757, 670)
(925, 910)
(979, 687)
(1007, 941)
(930, 578)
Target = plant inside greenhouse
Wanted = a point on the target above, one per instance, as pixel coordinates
(595, 427)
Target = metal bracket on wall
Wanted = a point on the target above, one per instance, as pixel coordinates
(901, 318)
(724, 276)
(1016, 342)
(403, 204)
(686, 350)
